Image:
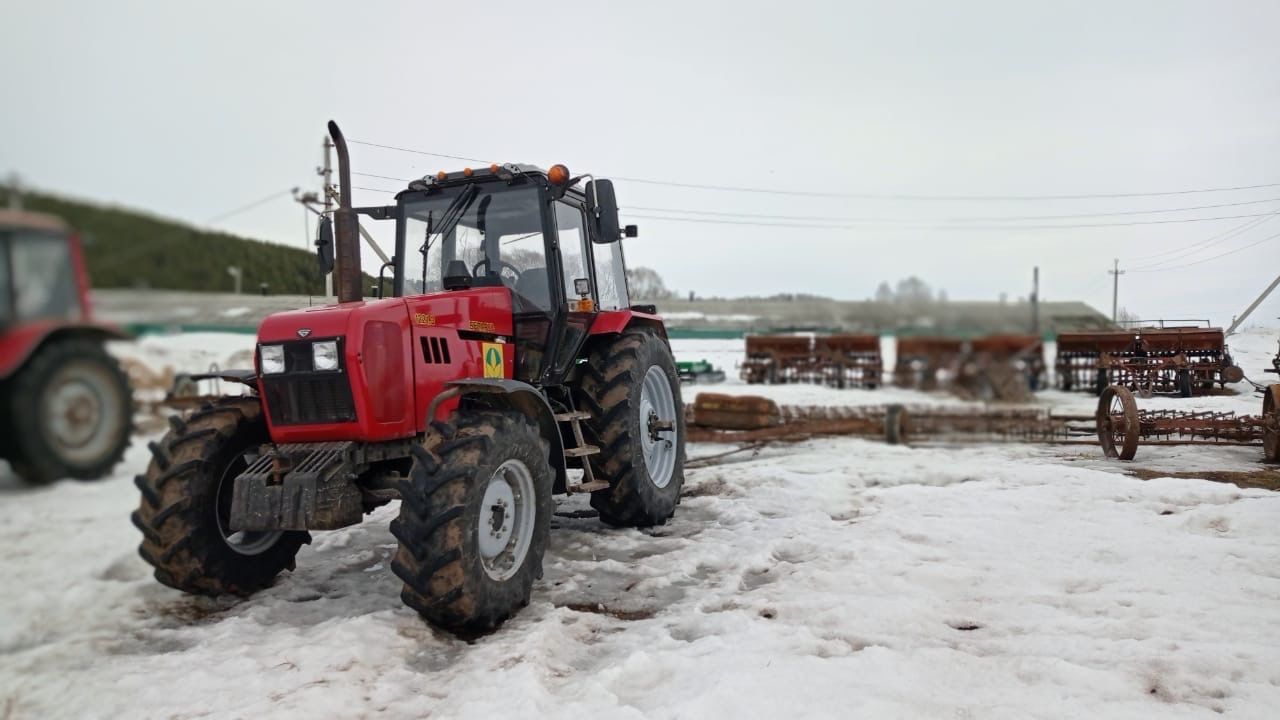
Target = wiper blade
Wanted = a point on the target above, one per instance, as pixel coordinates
(455, 211)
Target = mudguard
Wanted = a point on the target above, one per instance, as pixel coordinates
(526, 399)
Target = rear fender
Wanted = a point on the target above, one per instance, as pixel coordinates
(522, 398)
(20, 343)
(613, 322)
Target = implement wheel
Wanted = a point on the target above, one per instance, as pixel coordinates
(1271, 424)
(1184, 383)
(1117, 421)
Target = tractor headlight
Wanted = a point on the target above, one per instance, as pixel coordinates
(272, 358)
(324, 355)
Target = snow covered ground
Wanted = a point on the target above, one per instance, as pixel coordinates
(833, 578)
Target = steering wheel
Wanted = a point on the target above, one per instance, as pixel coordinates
(502, 264)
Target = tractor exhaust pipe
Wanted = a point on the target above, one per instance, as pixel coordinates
(346, 231)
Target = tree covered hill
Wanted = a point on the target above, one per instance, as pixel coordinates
(131, 248)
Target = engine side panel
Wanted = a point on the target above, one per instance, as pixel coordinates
(457, 335)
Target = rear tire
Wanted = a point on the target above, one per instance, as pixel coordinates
(645, 479)
(186, 505)
(71, 413)
(466, 565)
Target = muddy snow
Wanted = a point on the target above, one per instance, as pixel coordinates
(832, 578)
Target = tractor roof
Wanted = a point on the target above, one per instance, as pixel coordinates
(558, 174)
(26, 220)
(492, 172)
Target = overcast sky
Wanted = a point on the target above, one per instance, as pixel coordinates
(191, 110)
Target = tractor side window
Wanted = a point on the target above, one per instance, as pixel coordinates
(44, 283)
(570, 224)
(611, 279)
(525, 254)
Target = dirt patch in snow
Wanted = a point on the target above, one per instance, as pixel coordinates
(602, 609)
(1264, 479)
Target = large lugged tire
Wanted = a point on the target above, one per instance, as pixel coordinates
(475, 517)
(71, 413)
(631, 389)
(186, 505)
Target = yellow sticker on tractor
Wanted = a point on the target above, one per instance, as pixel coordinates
(492, 360)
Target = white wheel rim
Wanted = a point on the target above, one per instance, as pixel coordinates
(658, 411)
(80, 413)
(242, 542)
(505, 530)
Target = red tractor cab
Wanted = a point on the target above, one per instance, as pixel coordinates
(504, 359)
(65, 405)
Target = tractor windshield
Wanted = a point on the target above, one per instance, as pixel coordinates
(490, 232)
(38, 280)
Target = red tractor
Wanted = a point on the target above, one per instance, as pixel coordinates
(504, 360)
(65, 406)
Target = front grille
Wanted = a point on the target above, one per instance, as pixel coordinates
(309, 398)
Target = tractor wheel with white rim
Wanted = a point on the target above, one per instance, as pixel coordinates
(475, 516)
(70, 413)
(631, 389)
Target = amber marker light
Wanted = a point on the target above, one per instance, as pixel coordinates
(467, 172)
(558, 174)
(442, 175)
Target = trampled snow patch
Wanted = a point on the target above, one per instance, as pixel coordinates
(830, 578)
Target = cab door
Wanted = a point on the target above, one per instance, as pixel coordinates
(576, 286)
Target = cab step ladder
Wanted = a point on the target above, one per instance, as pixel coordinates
(582, 450)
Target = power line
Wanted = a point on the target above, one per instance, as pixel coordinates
(248, 207)
(418, 152)
(814, 226)
(1185, 252)
(382, 177)
(816, 221)
(1248, 224)
(875, 196)
(1215, 257)
(862, 196)
(1000, 218)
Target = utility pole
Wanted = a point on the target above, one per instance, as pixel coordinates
(327, 173)
(1035, 301)
(1235, 322)
(1116, 272)
(15, 192)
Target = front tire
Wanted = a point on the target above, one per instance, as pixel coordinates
(629, 386)
(185, 510)
(71, 413)
(475, 517)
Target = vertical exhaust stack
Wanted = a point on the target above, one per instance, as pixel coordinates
(346, 256)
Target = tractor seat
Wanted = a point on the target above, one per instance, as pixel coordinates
(533, 288)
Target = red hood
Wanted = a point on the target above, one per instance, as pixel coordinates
(319, 321)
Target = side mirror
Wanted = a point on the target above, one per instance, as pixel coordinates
(604, 208)
(324, 245)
